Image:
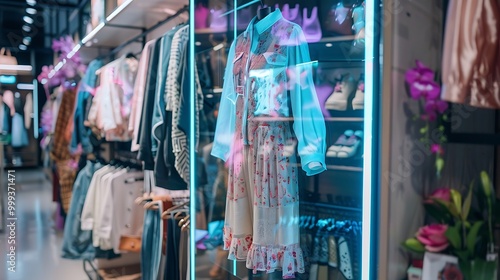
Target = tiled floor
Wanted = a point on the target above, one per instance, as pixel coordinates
(38, 242)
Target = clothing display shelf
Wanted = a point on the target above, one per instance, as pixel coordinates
(133, 19)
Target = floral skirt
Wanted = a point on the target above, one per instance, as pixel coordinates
(262, 206)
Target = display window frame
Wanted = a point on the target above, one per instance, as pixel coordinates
(371, 122)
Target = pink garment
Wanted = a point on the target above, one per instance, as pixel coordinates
(471, 53)
(138, 97)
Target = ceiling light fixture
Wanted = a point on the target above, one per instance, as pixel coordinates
(26, 68)
(27, 41)
(169, 11)
(31, 11)
(73, 51)
(23, 86)
(23, 47)
(28, 20)
(118, 10)
(31, 2)
(26, 28)
(92, 33)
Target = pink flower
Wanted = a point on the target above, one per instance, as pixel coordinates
(430, 90)
(441, 193)
(435, 106)
(437, 149)
(433, 237)
(419, 73)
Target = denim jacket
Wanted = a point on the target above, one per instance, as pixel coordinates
(271, 61)
(77, 244)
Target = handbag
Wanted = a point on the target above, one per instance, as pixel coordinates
(130, 243)
(6, 58)
(338, 19)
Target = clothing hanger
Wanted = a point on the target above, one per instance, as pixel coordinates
(184, 220)
(175, 209)
(152, 205)
(142, 199)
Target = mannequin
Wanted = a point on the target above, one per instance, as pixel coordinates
(264, 10)
(258, 142)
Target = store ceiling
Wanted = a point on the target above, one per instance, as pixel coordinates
(11, 20)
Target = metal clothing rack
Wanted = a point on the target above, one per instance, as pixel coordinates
(325, 211)
(142, 37)
(89, 267)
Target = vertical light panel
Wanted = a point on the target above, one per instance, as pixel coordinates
(235, 20)
(368, 140)
(35, 108)
(192, 144)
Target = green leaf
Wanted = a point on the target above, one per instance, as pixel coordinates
(456, 197)
(438, 212)
(486, 183)
(453, 235)
(463, 255)
(412, 244)
(467, 203)
(448, 206)
(472, 236)
(483, 270)
(439, 165)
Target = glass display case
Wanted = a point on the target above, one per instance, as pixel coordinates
(285, 99)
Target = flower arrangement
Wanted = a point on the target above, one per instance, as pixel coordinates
(68, 64)
(424, 89)
(458, 230)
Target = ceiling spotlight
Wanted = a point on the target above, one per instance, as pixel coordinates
(23, 47)
(31, 11)
(31, 2)
(28, 20)
(27, 41)
(26, 28)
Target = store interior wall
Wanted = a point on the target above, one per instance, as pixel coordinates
(418, 30)
(415, 36)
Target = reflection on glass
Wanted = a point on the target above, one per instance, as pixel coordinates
(283, 110)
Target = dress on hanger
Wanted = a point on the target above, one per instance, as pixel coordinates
(471, 72)
(268, 82)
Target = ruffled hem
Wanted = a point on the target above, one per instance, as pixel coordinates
(289, 259)
(238, 246)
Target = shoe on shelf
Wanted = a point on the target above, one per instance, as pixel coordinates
(358, 102)
(341, 141)
(351, 146)
(343, 90)
(292, 14)
(311, 26)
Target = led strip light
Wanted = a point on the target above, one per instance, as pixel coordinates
(89, 37)
(366, 269)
